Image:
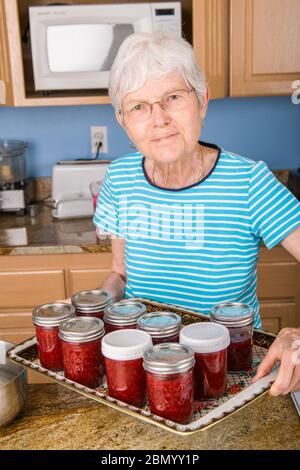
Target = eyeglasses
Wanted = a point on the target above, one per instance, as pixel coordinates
(172, 101)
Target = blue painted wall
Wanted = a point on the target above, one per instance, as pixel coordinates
(265, 128)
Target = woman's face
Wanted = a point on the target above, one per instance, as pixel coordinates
(167, 135)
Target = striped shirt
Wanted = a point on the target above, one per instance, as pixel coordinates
(196, 246)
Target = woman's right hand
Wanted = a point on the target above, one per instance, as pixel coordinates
(286, 350)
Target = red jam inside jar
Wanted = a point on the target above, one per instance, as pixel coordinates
(238, 318)
(169, 375)
(81, 344)
(210, 375)
(49, 348)
(209, 341)
(164, 327)
(123, 355)
(123, 315)
(171, 396)
(47, 319)
(240, 351)
(91, 303)
(83, 363)
(126, 381)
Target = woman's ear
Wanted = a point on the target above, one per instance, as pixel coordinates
(119, 118)
(205, 103)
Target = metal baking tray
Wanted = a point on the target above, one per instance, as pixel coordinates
(240, 392)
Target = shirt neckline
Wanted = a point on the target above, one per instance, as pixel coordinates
(206, 144)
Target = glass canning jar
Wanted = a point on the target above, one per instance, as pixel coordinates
(209, 342)
(169, 375)
(123, 314)
(239, 319)
(91, 302)
(163, 327)
(123, 354)
(81, 344)
(46, 319)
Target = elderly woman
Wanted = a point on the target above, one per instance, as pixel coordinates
(186, 217)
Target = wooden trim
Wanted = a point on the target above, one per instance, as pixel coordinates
(6, 97)
(210, 39)
(64, 260)
(15, 51)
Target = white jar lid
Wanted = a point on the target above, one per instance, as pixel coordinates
(126, 344)
(205, 337)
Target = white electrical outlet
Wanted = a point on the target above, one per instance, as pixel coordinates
(99, 134)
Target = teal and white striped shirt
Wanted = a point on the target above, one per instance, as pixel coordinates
(196, 246)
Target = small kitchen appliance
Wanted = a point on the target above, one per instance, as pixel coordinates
(15, 189)
(71, 195)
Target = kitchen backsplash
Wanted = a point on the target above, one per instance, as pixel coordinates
(261, 128)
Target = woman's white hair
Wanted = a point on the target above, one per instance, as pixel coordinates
(144, 55)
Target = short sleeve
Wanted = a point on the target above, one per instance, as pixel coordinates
(106, 216)
(273, 210)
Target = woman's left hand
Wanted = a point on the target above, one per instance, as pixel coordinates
(286, 350)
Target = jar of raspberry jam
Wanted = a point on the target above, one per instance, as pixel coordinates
(46, 319)
(91, 302)
(164, 327)
(169, 375)
(81, 344)
(123, 354)
(239, 319)
(209, 342)
(123, 314)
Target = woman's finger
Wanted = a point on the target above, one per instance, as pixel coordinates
(266, 364)
(283, 381)
(295, 385)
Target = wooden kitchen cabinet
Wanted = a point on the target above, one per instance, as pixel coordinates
(247, 47)
(264, 47)
(6, 90)
(211, 43)
(30, 280)
(244, 47)
(278, 289)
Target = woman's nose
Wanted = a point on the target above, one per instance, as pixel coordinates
(159, 115)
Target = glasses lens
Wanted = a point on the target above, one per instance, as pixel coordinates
(139, 112)
(176, 100)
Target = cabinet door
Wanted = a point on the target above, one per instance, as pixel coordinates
(277, 280)
(16, 326)
(264, 47)
(30, 288)
(6, 91)
(210, 40)
(277, 315)
(84, 279)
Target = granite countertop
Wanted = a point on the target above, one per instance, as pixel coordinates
(43, 234)
(56, 418)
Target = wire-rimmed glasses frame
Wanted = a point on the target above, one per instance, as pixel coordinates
(175, 100)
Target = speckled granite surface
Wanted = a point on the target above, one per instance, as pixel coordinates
(55, 418)
(21, 235)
